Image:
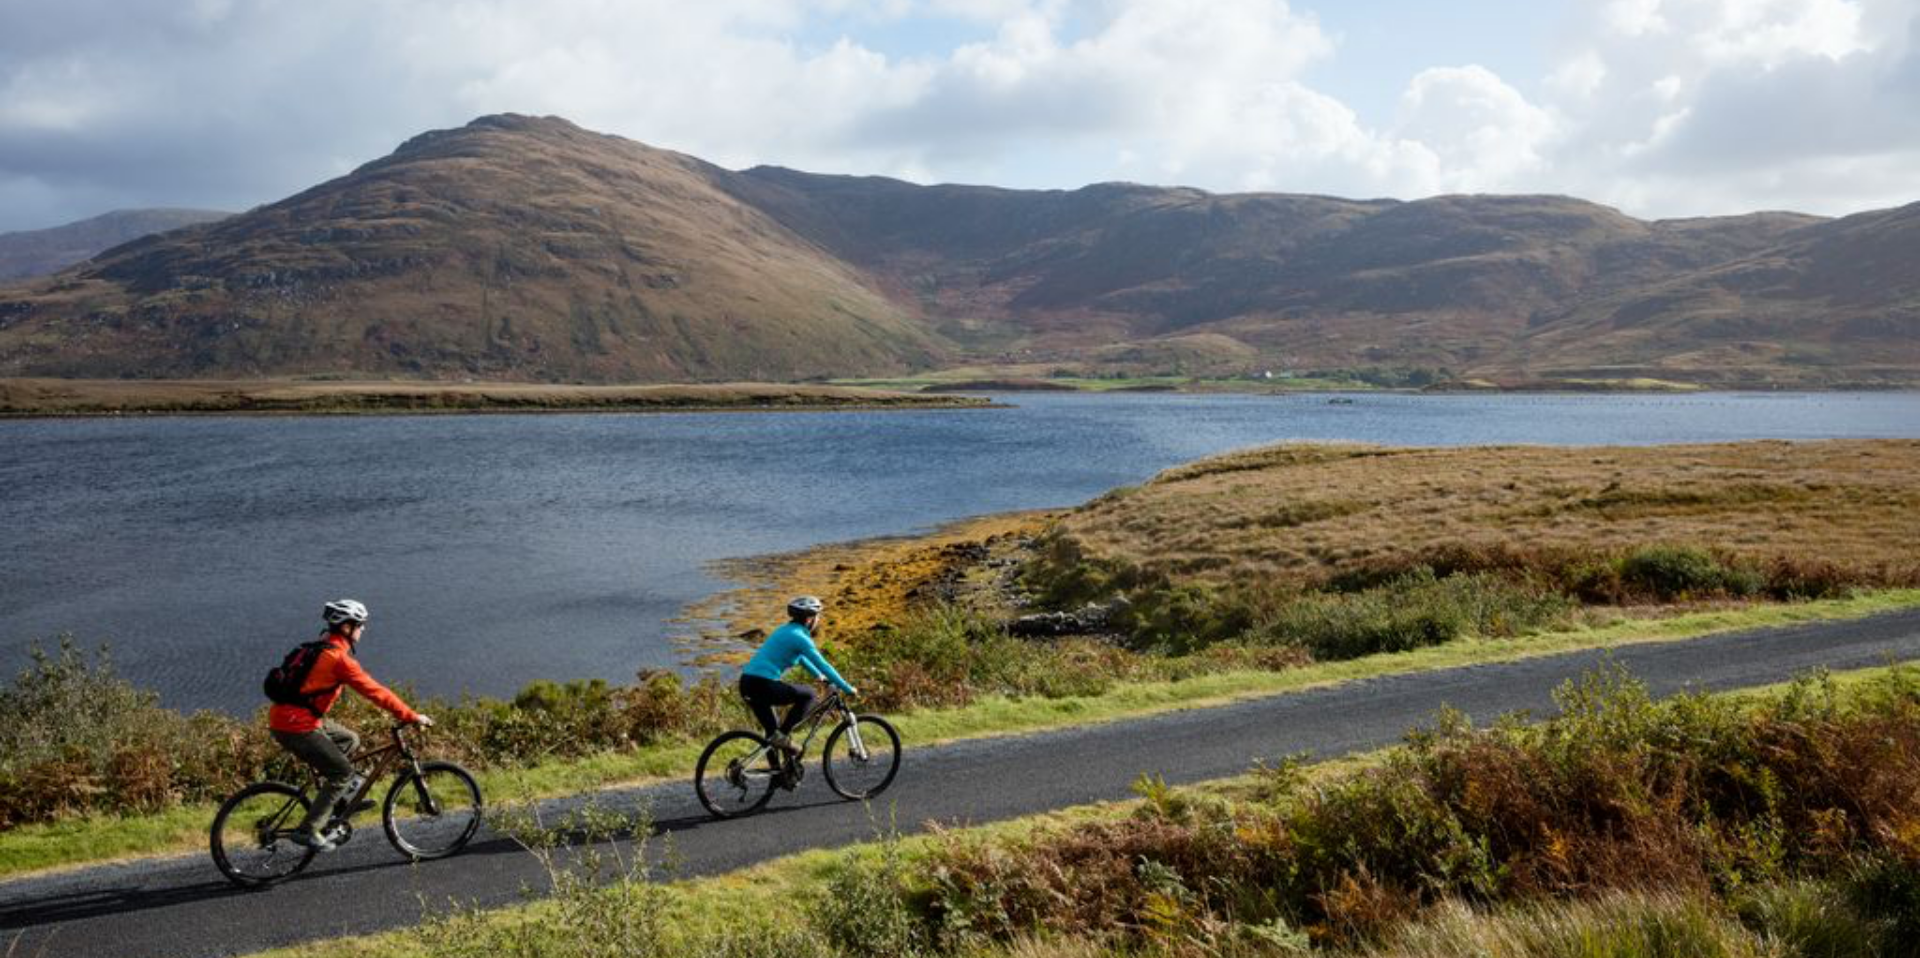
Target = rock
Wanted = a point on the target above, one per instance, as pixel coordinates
(1091, 618)
(1044, 625)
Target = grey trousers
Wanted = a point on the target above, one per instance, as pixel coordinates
(327, 750)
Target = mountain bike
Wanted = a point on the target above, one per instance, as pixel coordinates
(739, 770)
(431, 810)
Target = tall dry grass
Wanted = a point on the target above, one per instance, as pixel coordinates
(1310, 515)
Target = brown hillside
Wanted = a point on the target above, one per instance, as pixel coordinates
(1294, 280)
(1837, 302)
(529, 249)
(514, 248)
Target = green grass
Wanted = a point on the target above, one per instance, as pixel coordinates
(88, 840)
(700, 908)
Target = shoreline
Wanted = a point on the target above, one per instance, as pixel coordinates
(100, 399)
(863, 581)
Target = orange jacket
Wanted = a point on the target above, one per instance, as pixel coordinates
(333, 671)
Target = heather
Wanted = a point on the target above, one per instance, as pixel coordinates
(1706, 804)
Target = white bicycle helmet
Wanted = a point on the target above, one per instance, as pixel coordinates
(342, 611)
(805, 606)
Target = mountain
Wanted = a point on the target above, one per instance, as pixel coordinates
(512, 248)
(1126, 270)
(528, 248)
(30, 253)
(1835, 303)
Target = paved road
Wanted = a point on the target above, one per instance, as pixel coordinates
(182, 907)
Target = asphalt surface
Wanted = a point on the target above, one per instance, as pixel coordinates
(183, 907)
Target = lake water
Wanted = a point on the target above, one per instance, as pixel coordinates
(498, 549)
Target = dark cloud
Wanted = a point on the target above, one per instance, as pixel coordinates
(1811, 107)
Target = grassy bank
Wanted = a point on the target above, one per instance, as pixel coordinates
(1314, 515)
(1718, 825)
(80, 838)
(79, 397)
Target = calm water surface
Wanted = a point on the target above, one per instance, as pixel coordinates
(498, 549)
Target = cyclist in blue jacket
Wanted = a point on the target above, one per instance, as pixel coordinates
(760, 679)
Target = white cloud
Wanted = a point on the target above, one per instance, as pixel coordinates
(1711, 106)
(1484, 133)
(1579, 77)
(1665, 107)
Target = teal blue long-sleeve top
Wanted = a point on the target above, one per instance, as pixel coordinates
(787, 645)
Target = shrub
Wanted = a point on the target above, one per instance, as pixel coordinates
(926, 661)
(1802, 578)
(1414, 610)
(1181, 619)
(1684, 798)
(1683, 572)
(77, 738)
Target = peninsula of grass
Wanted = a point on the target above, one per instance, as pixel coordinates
(1438, 850)
(77, 397)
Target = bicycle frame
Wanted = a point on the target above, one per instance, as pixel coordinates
(813, 722)
(375, 765)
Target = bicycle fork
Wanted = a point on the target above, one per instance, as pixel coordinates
(427, 805)
(854, 744)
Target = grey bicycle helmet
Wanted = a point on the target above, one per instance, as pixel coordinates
(343, 611)
(805, 606)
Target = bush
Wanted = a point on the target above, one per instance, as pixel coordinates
(76, 738)
(1682, 572)
(1688, 797)
(1412, 611)
(1181, 619)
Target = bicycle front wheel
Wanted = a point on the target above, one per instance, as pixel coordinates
(735, 775)
(433, 813)
(252, 835)
(862, 757)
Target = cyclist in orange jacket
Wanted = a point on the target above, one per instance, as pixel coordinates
(319, 741)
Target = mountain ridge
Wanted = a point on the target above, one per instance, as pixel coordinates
(529, 248)
(25, 254)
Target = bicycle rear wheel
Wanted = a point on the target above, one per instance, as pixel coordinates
(736, 774)
(434, 813)
(862, 758)
(252, 835)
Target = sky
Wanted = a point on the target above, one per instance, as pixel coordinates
(1661, 108)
